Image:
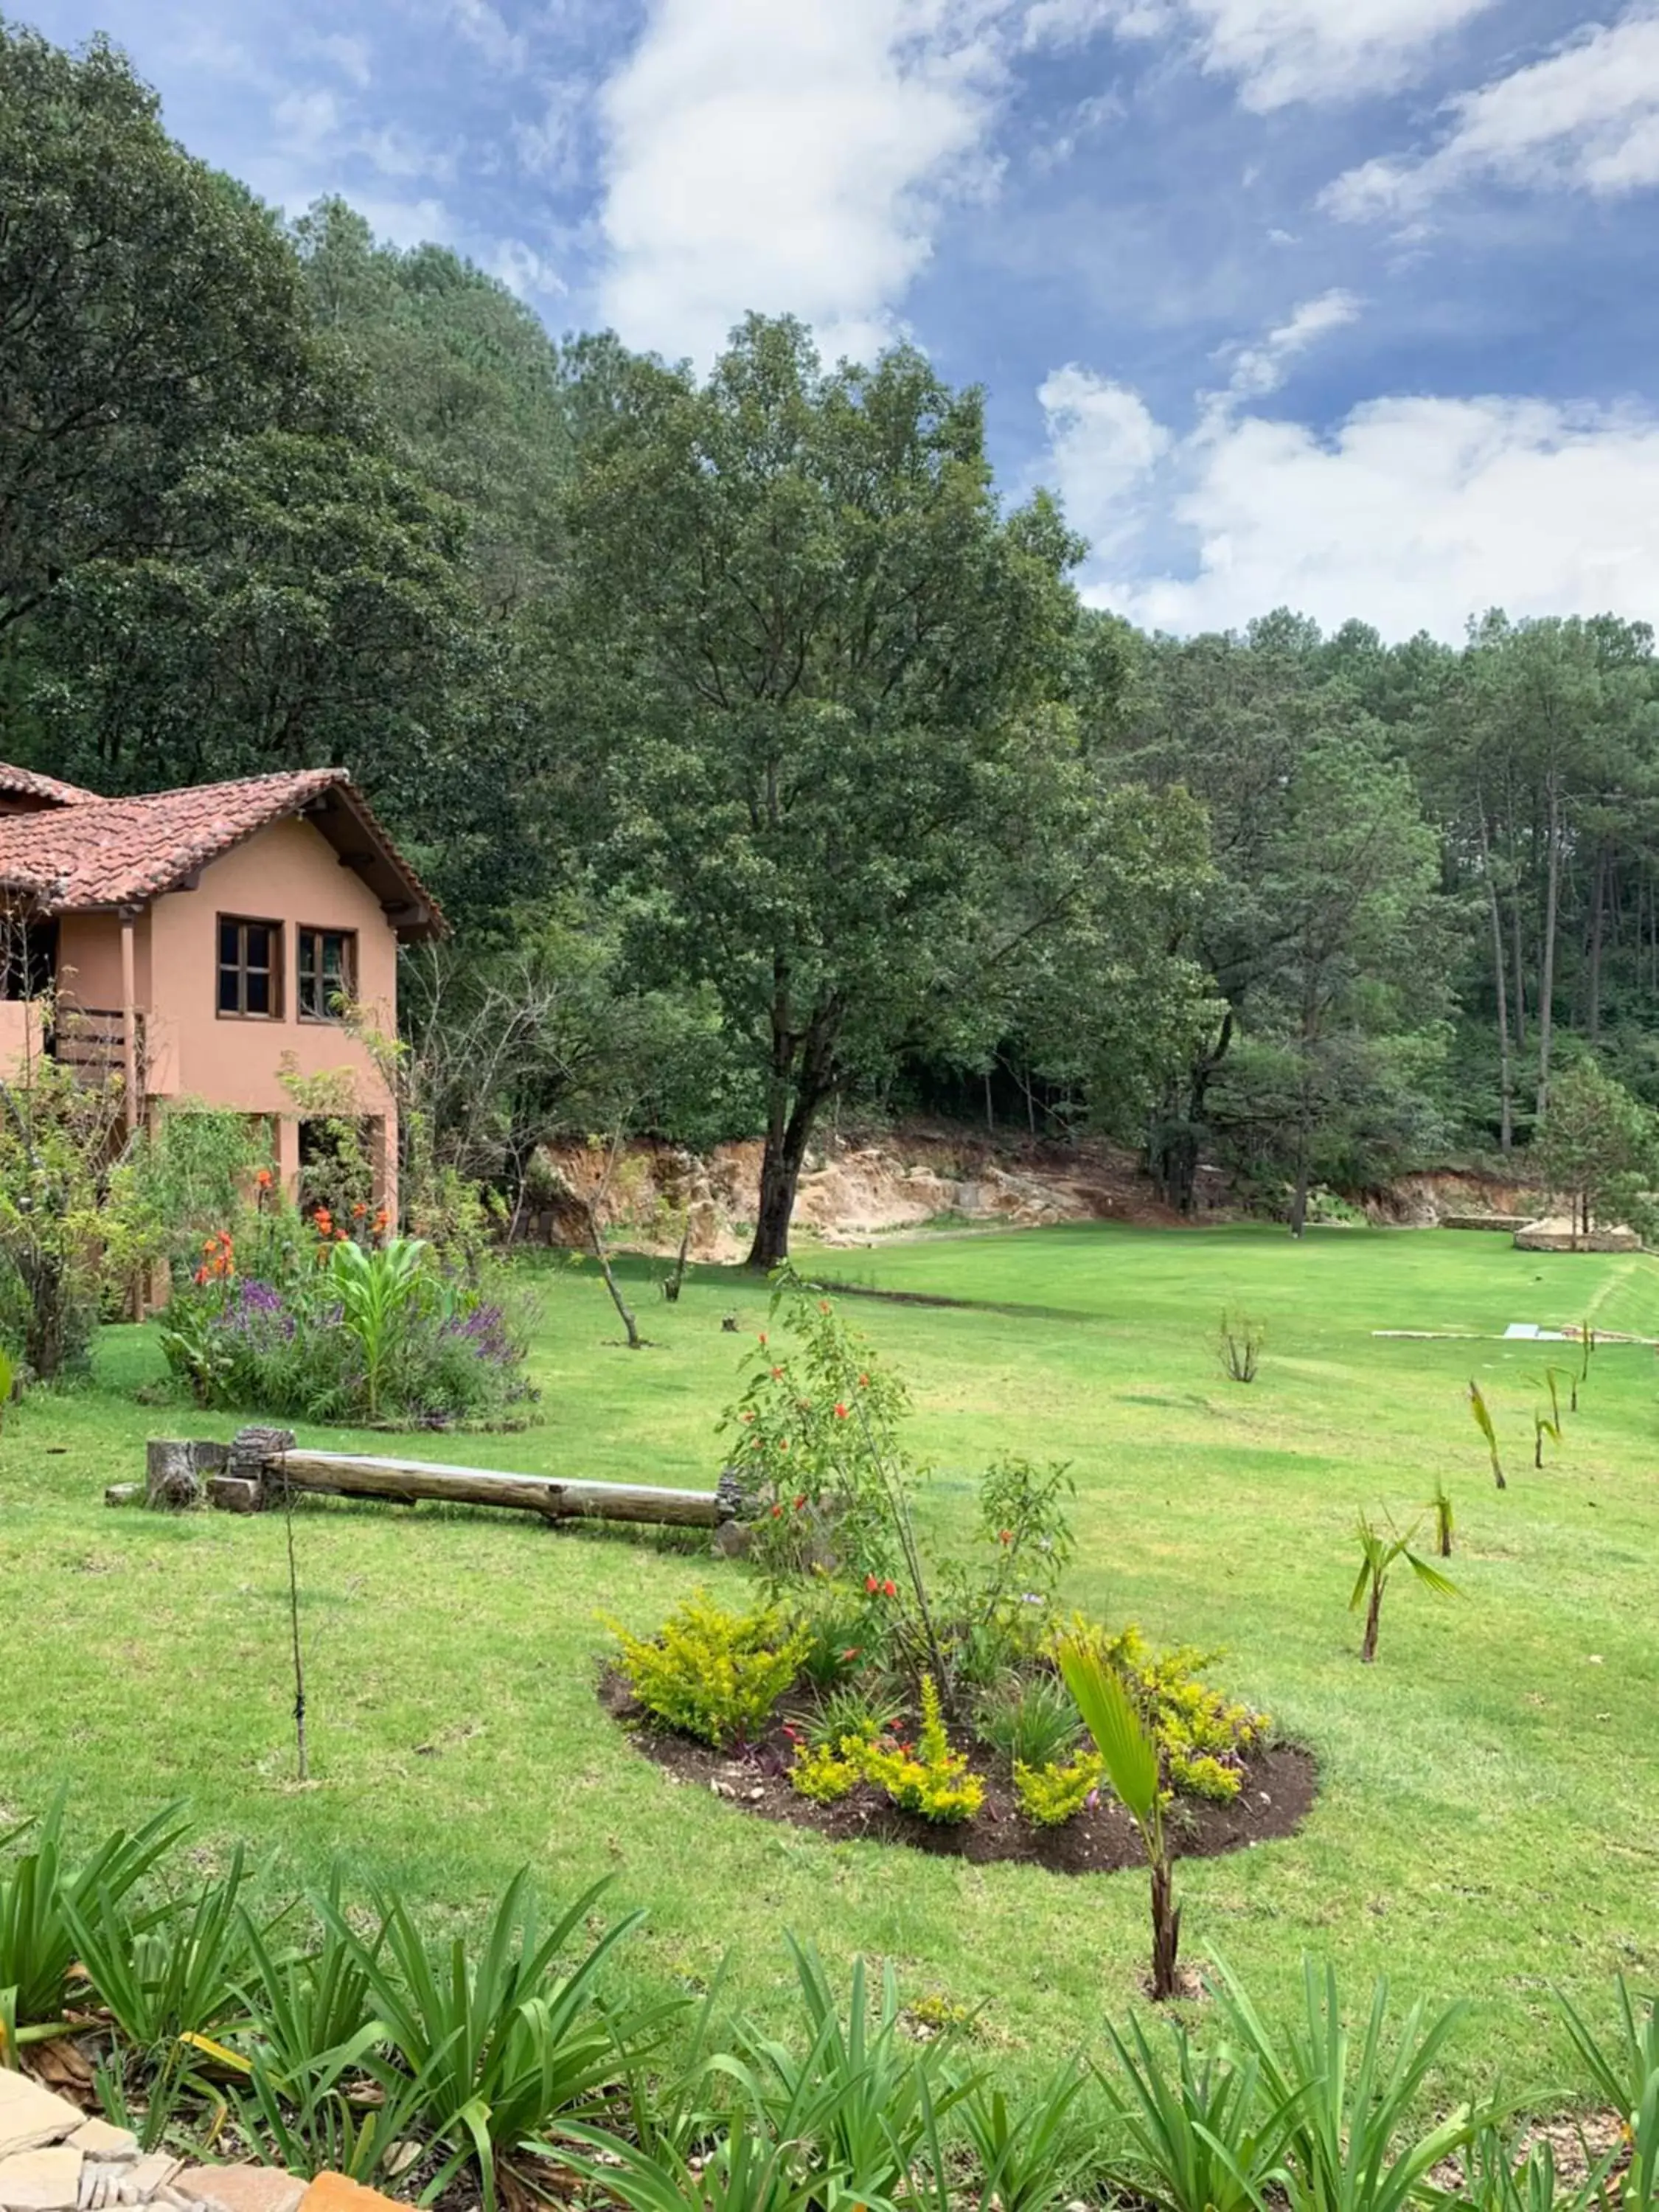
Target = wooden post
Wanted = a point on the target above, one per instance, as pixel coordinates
(131, 1102)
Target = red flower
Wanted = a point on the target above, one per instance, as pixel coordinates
(872, 1584)
(890, 1589)
(1005, 1536)
(800, 1501)
(358, 1210)
(201, 1276)
(841, 1411)
(776, 1511)
(263, 1178)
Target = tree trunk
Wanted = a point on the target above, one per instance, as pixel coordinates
(1500, 982)
(1597, 908)
(1546, 965)
(781, 1167)
(1519, 967)
(1373, 1615)
(595, 1238)
(802, 1079)
(1174, 1162)
(1166, 1931)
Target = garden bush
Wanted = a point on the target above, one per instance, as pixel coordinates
(301, 1316)
(714, 1675)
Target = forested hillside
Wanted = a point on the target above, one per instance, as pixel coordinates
(762, 753)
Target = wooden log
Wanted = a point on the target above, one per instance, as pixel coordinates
(343, 1474)
(234, 1493)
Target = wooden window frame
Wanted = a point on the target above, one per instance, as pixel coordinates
(242, 923)
(348, 972)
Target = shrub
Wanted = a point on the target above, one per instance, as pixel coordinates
(299, 1317)
(1028, 1720)
(711, 1674)
(927, 1778)
(1050, 1795)
(1201, 1735)
(827, 1772)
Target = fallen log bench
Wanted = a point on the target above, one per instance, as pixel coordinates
(262, 1467)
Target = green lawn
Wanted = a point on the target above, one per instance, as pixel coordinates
(1489, 1821)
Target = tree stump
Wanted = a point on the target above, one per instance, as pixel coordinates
(172, 1483)
(251, 1450)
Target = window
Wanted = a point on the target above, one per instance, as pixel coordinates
(328, 973)
(250, 968)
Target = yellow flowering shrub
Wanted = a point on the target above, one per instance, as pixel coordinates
(711, 1674)
(1050, 1795)
(927, 1778)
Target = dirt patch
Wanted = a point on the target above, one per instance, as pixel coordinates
(857, 1188)
(1279, 1786)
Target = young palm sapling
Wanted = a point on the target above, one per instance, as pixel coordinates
(1379, 1555)
(1129, 1753)
(1483, 1421)
(1441, 1506)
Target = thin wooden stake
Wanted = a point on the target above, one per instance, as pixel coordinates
(294, 1619)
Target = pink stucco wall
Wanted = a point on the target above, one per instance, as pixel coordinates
(287, 873)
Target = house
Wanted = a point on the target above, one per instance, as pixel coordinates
(204, 941)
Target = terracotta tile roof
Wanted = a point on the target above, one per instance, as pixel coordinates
(123, 852)
(24, 783)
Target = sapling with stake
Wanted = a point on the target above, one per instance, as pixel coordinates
(1129, 1753)
(1379, 1555)
(1482, 1414)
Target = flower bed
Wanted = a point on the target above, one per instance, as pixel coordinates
(300, 1316)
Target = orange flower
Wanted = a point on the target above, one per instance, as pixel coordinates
(841, 1411)
(358, 1210)
(872, 1584)
(263, 1178)
(890, 1589)
(201, 1276)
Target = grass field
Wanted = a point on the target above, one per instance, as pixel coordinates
(1489, 1820)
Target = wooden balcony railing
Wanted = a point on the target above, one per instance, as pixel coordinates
(93, 1040)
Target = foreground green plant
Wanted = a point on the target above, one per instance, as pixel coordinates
(1129, 1754)
(39, 1893)
(1351, 2141)
(503, 2041)
(1378, 1556)
(1197, 2137)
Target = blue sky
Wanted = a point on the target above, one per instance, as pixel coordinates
(1344, 304)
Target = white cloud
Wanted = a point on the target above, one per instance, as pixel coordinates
(1261, 369)
(525, 272)
(1280, 51)
(788, 157)
(1586, 116)
(486, 29)
(349, 55)
(1105, 444)
(1413, 514)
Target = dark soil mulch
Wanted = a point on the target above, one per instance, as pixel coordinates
(1279, 1785)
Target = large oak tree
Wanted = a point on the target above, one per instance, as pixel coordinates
(816, 668)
